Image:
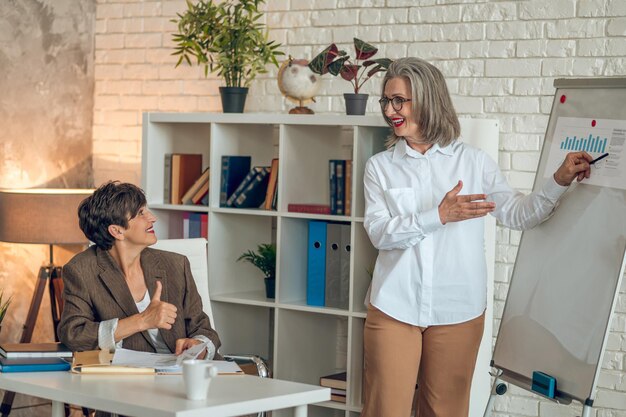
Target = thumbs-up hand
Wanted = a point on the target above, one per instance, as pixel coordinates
(159, 314)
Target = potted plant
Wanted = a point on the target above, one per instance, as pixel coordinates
(226, 37)
(357, 72)
(265, 259)
(4, 306)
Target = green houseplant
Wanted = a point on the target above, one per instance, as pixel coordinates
(337, 62)
(264, 258)
(226, 37)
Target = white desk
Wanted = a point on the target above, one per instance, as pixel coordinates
(164, 395)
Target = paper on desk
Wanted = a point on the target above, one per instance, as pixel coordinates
(168, 362)
(162, 362)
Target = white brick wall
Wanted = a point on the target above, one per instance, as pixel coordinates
(500, 59)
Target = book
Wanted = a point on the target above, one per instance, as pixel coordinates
(348, 188)
(337, 380)
(35, 350)
(202, 195)
(316, 264)
(33, 364)
(275, 199)
(186, 168)
(308, 208)
(234, 170)
(332, 181)
(243, 185)
(99, 362)
(197, 185)
(186, 228)
(254, 194)
(167, 179)
(271, 185)
(340, 191)
(204, 225)
(338, 398)
(195, 225)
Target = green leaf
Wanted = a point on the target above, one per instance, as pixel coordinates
(364, 50)
(383, 62)
(335, 67)
(264, 258)
(320, 63)
(225, 37)
(349, 72)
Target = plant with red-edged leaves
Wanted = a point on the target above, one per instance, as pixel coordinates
(357, 72)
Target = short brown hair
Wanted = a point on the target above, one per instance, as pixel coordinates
(112, 203)
(431, 102)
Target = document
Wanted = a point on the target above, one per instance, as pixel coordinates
(596, 137)
(168, 363)
(161, 362)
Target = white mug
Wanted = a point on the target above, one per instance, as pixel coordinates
(197, 375)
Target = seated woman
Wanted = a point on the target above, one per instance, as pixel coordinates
(120, 292)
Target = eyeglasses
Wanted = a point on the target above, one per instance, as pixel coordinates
(396, 103)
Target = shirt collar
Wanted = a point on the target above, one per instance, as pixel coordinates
(403, 149)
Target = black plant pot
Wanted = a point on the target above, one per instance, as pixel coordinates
(233, 99)
(270, 287)
(355, 103)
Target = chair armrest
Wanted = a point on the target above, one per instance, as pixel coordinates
(251, 364)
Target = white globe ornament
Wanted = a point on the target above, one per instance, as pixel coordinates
(298, 84)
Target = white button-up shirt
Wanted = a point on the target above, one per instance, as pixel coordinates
(428, 273)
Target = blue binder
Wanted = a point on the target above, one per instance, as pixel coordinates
(33, 365)
(316, 264)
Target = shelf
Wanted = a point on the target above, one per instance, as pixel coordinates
(256, 298)
(248, 212)
(302, 342)
(179, 207)
(312, 216)
(301, 305)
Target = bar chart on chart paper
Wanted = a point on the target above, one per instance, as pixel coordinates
(596, 137)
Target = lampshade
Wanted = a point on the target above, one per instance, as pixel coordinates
(44, 216)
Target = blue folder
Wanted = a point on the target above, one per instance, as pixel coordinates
(33, 364)
(316, 264)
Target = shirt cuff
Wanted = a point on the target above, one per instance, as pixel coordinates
(552, 190)
(430, 221)
(106, 334)
(210, 347)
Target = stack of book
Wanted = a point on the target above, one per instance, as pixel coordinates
(245, 187)
(198, 193)
(340, 185)
(195, 225)
(337, 384)
(34, 357)
(182, 172)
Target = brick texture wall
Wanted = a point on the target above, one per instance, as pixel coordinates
(500, 59)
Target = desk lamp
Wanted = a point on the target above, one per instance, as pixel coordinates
(41, 216)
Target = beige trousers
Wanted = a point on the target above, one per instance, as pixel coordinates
(440, 358)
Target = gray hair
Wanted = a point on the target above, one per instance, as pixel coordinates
(431, 103)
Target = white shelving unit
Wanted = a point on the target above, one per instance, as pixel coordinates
(302, 342)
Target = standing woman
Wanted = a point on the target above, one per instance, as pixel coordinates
(425, 197)
(120, 292)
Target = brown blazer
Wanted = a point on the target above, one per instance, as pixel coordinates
(95, 290)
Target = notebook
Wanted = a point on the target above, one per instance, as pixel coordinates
(35, 350)
(33, 364)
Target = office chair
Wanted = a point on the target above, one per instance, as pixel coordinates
(196, 251)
